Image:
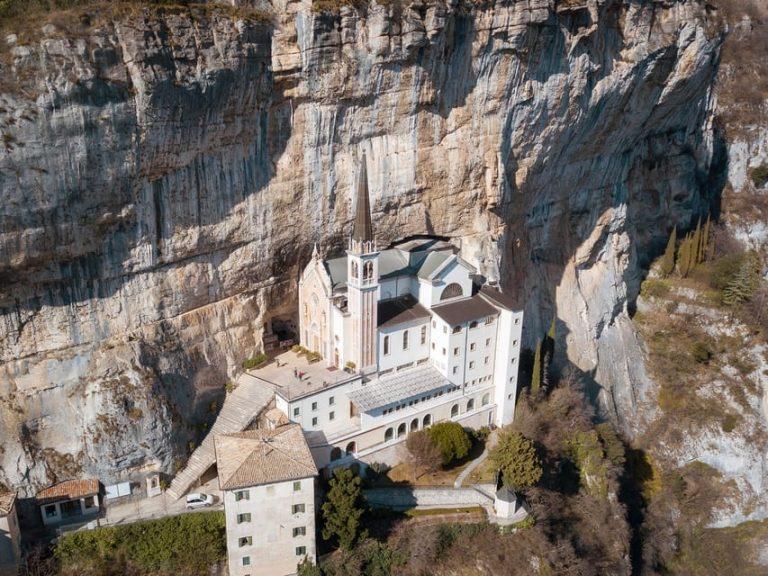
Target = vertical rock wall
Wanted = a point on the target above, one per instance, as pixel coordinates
(164, 176)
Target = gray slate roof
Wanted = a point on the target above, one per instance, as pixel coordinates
(397, 387)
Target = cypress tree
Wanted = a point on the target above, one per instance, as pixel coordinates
(684, 257)
(536, 377)
(696, 245)
(668, 260)
(705, 239)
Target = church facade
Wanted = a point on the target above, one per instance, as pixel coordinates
(408, 336)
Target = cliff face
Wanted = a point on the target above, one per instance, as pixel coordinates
(164, 175)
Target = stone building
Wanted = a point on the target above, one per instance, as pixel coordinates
(10, 536)
(69, 502)
(409, 335)
(267, 478)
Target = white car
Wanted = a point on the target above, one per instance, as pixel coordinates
(199, 500)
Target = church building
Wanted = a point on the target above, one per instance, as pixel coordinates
(408, 336)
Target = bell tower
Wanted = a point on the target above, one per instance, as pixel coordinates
(363, 280)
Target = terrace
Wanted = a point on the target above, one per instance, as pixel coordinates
(293, 376)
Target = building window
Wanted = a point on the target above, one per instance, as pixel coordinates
(473, 324)
(433, 345)
(445, 329)
(423, 335)
(456, 351)
(335, 453)
(485, 360)
(454, 410)
(471, 405)
(368, 270)
(90, 502)
(297, 486)
(511, 379)
(453, 290)
(401, 430)
(426, 421)
(434, 324)
(455, 369)
(301, 550)
(242, 495)
(486, 399)
(296, 411)
(350, 449)
(245, 541)
(487, 342)
(517, 320)
(331, 415)
(244, 518)
(331, 401)
(489, 319)
(353, 269)
(405, 340)
(297, 509)
(471, 364)
(513, 360)
(389, 434)
(314, 421)
(314, 406)
(50, 511)
(246, 560)
(386, 345)
(514, 342)
(443, 351)
(472, 346)
(456, 330)
(299, 531)
(414, 424)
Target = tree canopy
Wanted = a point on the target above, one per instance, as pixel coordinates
(451, 439)
(517, 459)
(343, 509)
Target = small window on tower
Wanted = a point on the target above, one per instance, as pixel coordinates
(405, 340)
(423, 335)
(386, 345)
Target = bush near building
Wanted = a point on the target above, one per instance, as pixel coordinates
(184, 544)
(452, 440)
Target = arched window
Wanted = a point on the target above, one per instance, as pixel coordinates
(368, 270)
(454, 410)
(350, 448)
(451, 291)
(414, 424)
(426, 421)
(335, 453)
(389, 434)
(353, 269)
(486, 399)
(401, 430)
(471, 405)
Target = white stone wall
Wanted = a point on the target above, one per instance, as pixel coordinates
(10, 540)
(510, 325)
(399, 356)
(273, 548)
(320, 406)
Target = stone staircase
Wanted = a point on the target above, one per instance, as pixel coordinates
(240, 408)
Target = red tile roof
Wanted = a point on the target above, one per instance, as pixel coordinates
(69, 490)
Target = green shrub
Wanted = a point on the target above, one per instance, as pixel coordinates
(701, 352)
(255, 361)
(654, 288)
(452, 440)
(729, 423)
(517, 459)
(184, 544)
(759, 175)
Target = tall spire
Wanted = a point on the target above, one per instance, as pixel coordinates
(362, 230)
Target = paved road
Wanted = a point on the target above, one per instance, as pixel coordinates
(490, 443)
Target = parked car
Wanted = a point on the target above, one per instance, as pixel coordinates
(199, 500)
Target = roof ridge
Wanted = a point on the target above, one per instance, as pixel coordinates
(278, 449)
